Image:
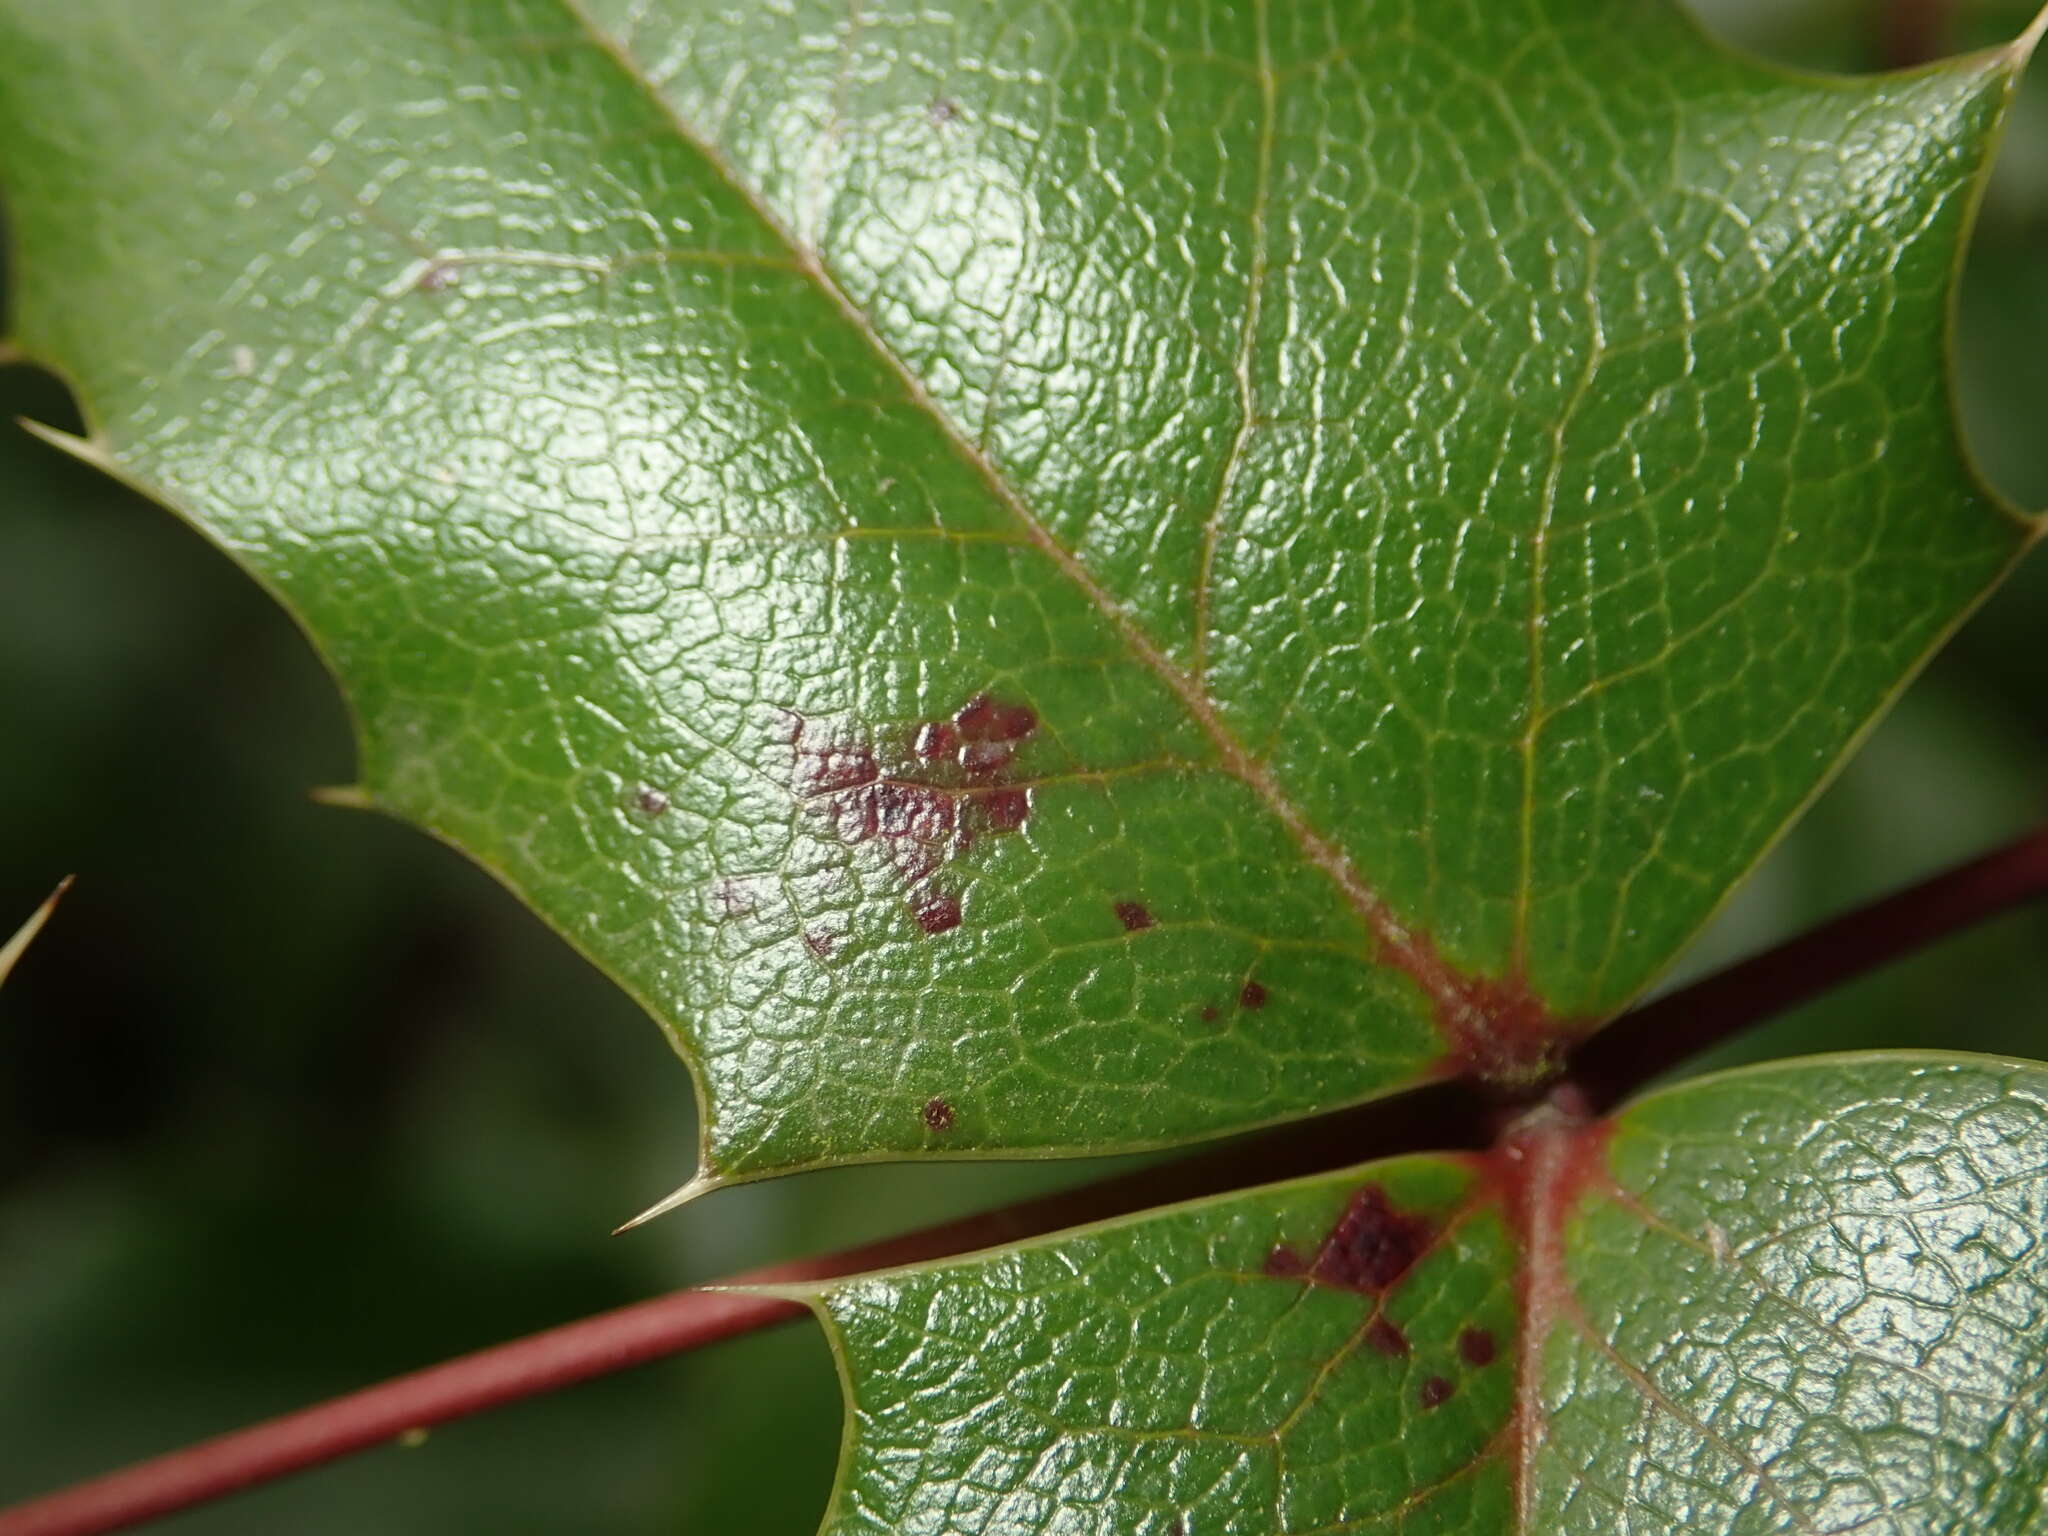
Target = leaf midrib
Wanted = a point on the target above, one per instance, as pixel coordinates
(1450, 992)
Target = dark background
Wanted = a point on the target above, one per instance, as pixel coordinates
(292, 1098)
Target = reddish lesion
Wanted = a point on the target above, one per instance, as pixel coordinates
(1383, 1336)
(1134, 915)
(949, 782)
(1284, 1262)
(1496, 1029)
(1435, 1391)
(1369, 1247)
(937, 913)
(1541, 1166)
(1372, 1244)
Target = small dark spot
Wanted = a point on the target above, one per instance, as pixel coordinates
(438, 277)
(1251, 995)
(1003, 810)
(938, 1114)
(1385, 1338)
(984, 718)
(943, 110)
(938, 914)
(1372, 1245)
(818, 942)
(936, 739)
(650, 801)
(1283, 1263)
(1477, 1346)
(1132, 915)
(1210, 1014)
(1435, 1392)
(734, 898)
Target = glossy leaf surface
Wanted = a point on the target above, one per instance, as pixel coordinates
(1042, 577)
(1801, 1298)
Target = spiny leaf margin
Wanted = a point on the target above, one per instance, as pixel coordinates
(417, 407)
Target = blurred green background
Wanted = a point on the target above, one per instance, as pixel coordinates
(292, 1098)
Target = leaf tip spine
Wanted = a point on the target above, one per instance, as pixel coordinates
(83, 449)
(2021, 49)
(346, 797)
(698, 1184)
(14, 948)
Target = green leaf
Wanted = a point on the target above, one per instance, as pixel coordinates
(1043, 578)
(1805, 1297)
